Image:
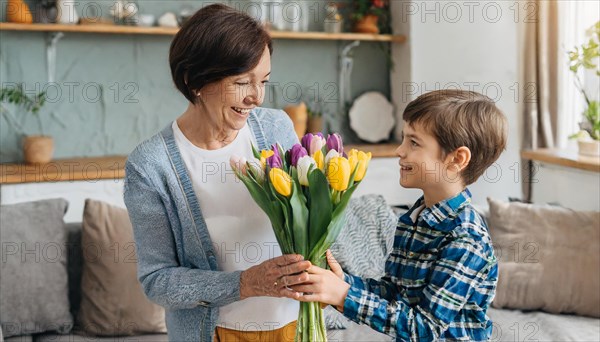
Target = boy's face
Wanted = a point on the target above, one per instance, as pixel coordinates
(421, 163)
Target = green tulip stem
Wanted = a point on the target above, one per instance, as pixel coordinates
(311, 323)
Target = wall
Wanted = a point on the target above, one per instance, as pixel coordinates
(568, 187)
(113, 91)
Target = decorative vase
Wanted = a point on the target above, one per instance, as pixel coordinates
(66, 12)
(333, 22)
(48, 14)
(299, 115)
(315, 124)
(38, 149)
(368, 24)
(17, 11)
(590, 148)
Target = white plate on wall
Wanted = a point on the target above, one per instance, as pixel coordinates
(372, 117)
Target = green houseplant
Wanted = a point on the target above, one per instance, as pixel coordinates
(586, 56)
(37, 148)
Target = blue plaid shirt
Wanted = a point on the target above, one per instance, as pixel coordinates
(439, 278)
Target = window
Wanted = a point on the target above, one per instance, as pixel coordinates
(575, 18)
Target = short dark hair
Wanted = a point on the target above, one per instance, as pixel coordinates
(215, 43)
(462, 118)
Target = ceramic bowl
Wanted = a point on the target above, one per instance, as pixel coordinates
(146, 20)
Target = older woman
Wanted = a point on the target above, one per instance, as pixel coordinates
(206, 252)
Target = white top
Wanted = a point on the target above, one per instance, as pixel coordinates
(240, 231)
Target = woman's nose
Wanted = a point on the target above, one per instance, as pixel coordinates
(254, 95)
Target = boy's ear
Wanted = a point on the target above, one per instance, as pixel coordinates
(461, 157)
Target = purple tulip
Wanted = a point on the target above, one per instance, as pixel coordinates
(334, 142)
(297, 152)
(275, 161)
(306, 140)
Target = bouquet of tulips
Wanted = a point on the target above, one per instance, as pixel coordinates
(304, 192)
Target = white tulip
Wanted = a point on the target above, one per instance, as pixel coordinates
(316, 144)
(304, 166)
(330, 154)
(256, 169)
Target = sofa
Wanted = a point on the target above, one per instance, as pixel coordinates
(361, 248)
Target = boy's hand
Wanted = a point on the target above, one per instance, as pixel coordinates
(324, 286)
(334, 265)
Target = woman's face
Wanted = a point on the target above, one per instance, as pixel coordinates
(228, 102)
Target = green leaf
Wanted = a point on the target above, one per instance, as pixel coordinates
(16, 95)
(299, 217)
(335, 227)
(320, 207)
(271, 208)
(282, 204)
(255, 152)
(259, 195)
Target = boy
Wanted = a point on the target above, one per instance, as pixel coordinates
(441, 274)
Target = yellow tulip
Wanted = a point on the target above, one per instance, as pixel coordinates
(361, 159)
(282, 182)
(338, 173)
(264, 154)
(319, 160)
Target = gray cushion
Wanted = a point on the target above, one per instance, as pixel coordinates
(364, 244)
(22, 338)
(83, 338)
(34, 295)
(516, 325)
(357, 333)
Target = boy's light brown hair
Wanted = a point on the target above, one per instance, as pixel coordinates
(462, 118)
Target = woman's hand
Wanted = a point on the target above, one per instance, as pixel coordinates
(323, 286)
(273, 277)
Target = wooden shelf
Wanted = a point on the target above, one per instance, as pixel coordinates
(77, 169)
(112, 167)
(387, 150)
(166, 31)
(566, 158)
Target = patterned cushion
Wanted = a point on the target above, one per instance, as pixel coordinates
(364, 244)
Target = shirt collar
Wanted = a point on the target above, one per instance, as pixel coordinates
(439, 212)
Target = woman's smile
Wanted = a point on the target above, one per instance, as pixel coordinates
(242, 111)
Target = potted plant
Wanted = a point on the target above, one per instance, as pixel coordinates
(37, 149)
(366, 15)
(586, 56)
(298, 113)
(315, 121)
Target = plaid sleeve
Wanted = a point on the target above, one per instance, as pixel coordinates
(383, 287)
(461, 268)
